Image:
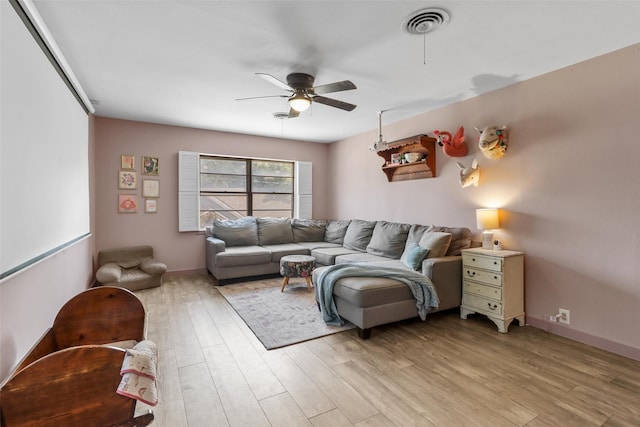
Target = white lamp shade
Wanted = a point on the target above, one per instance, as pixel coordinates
(487, 219)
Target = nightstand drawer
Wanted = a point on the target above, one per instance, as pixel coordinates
(489, 277)
(487, 263)
(482, 305)
(482, 290)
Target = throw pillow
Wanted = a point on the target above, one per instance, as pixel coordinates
(437, 243)
(416, 232)
(388, 239)
(358, 235)
(308, 230)
(129, 263)
(460, 238)
(274, 231)
(335, 231)
(237, 232)
(413, 256)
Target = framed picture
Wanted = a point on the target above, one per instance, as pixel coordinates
(127, 161)
(127, 180)
(150, 188)
(127, 203)
(149, 165)
(150, 205)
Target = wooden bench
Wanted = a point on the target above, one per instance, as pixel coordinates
(71, 374)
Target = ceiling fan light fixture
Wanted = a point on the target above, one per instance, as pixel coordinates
(300, 102)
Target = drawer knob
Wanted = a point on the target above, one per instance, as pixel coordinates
(471, 273)
(492, 307)
(495, 277)
(495, 262)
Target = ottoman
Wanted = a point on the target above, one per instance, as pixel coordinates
(297, 266)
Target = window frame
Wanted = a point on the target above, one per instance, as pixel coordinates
(249, 193)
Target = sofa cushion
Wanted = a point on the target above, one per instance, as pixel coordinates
(460, 238)
(413, 255)
(273, 231)
(237, 232)
(358, 234)
(243, 255)
(437, 242)
(369, 291)
(278, 251)
(315, 245)
(335, 231)
(130, 256)
(359, 257)
(129, 263)
(388, 239)
(327, 256)
(415, 234)
(109, 272)
(308, 230)
(153, 267)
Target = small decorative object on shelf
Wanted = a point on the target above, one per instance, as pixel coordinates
(405, 150)
(497, 245)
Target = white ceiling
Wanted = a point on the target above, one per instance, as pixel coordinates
(185, 62)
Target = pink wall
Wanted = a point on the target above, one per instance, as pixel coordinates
(180, 251)
(568, 187)
(30, 300)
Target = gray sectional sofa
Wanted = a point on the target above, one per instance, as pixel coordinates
(253, 246)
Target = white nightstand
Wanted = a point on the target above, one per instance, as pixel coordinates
(493, 285)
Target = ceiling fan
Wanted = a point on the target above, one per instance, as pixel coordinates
(303, 92)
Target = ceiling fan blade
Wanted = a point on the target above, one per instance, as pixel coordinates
(293, 113)
(334, 87)
(334, 103)
(262, 97)
(273, 80)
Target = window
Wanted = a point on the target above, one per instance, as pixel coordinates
(232, 188)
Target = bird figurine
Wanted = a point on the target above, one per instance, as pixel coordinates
(453, 146)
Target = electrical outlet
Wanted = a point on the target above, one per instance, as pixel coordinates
(565, 316)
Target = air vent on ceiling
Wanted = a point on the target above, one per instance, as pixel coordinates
(425, 21)
(280, 116)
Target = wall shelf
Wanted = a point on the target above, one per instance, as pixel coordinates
(425, 168)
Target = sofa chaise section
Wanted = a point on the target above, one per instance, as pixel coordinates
(372, 301)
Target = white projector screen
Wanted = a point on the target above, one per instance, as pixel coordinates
(44, 199)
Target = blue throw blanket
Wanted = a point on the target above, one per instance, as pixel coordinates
(420, 285)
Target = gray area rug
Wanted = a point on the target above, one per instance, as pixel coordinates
(279, 318)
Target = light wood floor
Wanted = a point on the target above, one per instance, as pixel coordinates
(442, 372)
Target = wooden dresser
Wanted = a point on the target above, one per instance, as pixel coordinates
(493, 285)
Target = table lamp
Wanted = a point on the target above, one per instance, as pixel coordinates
(487, 220)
